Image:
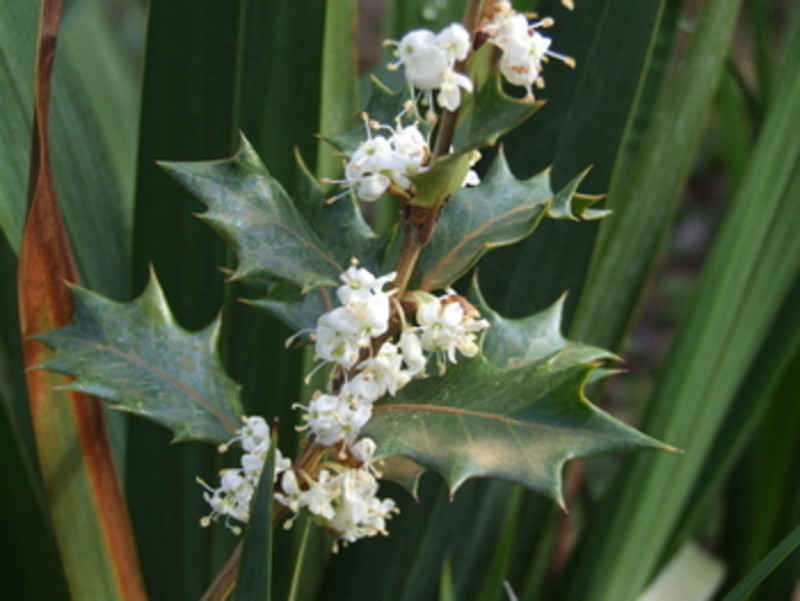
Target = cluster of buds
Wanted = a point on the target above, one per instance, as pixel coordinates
(370, 361)
(354, 337)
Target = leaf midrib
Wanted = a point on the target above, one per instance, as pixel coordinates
(200, 400)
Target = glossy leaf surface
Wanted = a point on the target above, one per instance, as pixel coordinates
(253, 212)
(136, 356)
(520, 423)
(499, 212)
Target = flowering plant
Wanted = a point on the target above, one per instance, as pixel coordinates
(412, 373)
(381, 352)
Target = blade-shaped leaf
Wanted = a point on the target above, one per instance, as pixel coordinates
(137, 356)
(253, 212)
(519, 424)
(499, 212)
(254, 579)
(86, 503)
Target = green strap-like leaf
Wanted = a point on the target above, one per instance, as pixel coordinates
(136, 356)
(255, 215)
(765, 566)
(518, 424)
(499, 212)
(254, 580)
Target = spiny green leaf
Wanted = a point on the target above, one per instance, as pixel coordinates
(403, 471)
(493, 114)
(346, 236)
(339, 225)
(520, 419)
(136, 356)
(519, 424)
(513, 342)
(499, 212)
(252, 211)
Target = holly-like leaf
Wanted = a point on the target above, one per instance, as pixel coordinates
(516, 412)
(493, 114)
(403, 471)
(339, 225)
(500, 211)
(514, 342)
(519, 424)
(136, 356)
(255, 215)
(346, 236)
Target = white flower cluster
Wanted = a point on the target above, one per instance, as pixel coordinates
(345, 336)
(232, 498)
(524, 48)
(381, 162)
(343, 498)
(429, 62)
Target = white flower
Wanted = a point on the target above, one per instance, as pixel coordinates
(450, 90)
(423, 59)
(363, 451)
(524, 48)
(320, 496)
(254, 433)
(336, 418)
(232, 498)
(454, 40)
(429, 63)
(359, 513)
(290, 493)
(361, 283)
(378, 375)
(336, 337)
(369, 169)
(446, 325)
(411, 347)
(381, 163)
(371, 314)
